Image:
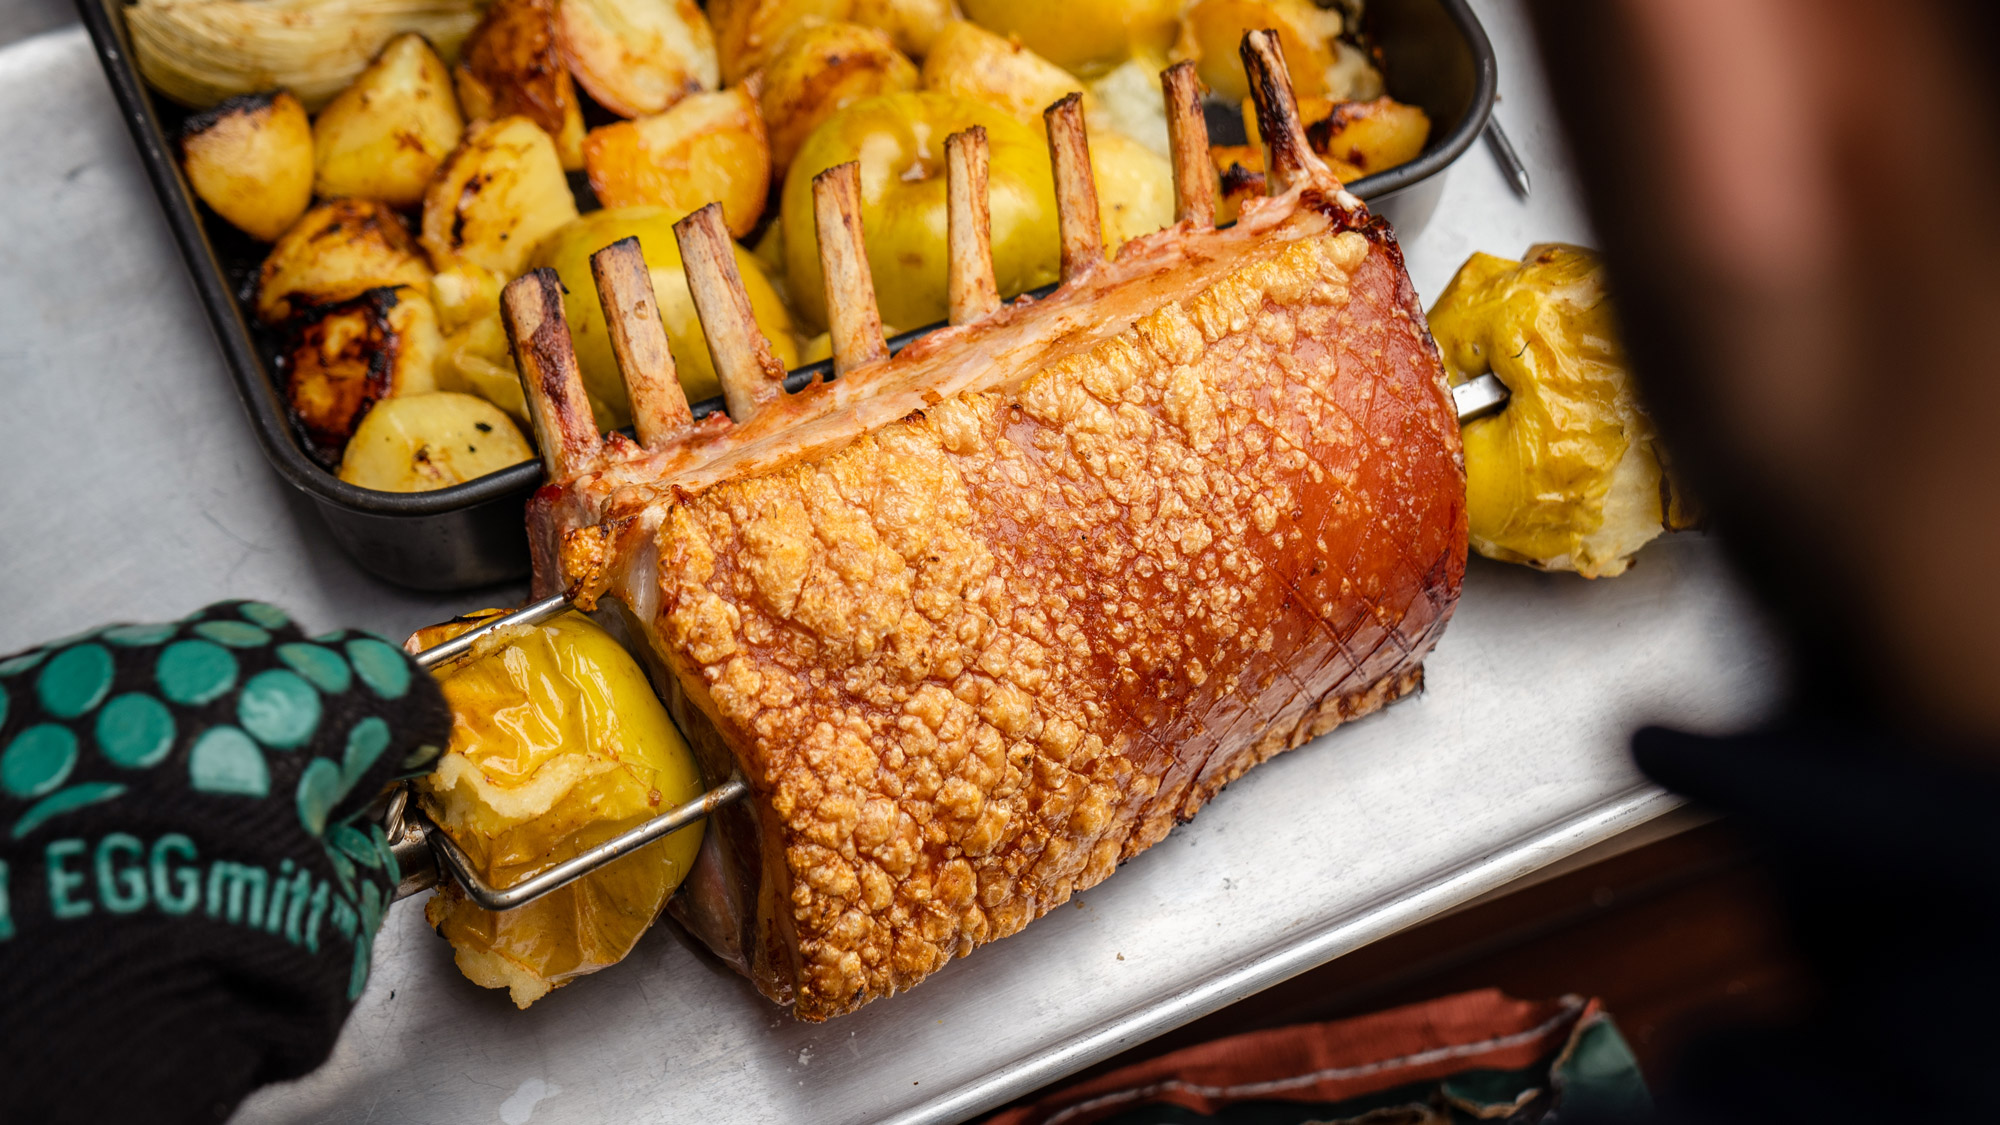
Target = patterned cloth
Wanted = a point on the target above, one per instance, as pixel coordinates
(188, 894)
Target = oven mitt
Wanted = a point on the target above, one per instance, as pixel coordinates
(188, 891)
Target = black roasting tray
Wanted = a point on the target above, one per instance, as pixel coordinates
(1435, 55)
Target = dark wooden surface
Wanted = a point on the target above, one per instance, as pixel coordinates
(1674, 936)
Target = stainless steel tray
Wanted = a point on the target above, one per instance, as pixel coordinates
(134, 491)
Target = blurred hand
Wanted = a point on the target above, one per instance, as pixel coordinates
(1798, 199)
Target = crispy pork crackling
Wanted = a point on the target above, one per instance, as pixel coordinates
(979, 621)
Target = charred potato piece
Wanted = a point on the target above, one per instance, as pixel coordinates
(748, 33)
(912, 24)
(708, 148)
(513, 66)
(1086, 37)
(496, 198)
(969, 61)
(335, 252)
(416, 443)
(342, 358)
(1372, 136)
(1212, 29)
(384, 136)
(1242, 170)
(637, 56)
(821, 70)
(251, 159)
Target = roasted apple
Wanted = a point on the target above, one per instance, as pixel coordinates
(899, 140)
(819, 71)
(499, 195)
(334, 252)
(385, 135)
(1570, 475)
(251, 159)
(1135, 187)
(637, 56)
(707, 148)
(568, 251)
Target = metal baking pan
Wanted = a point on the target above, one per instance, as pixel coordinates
(1434, 55)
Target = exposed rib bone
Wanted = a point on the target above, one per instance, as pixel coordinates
(969, 276)
(750, 375)
(639, 341)
(1187, 136)
(532, 308)
(1287, 157)
(853, 321)
(1076, 189)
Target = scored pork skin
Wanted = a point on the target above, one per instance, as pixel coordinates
(971, 659)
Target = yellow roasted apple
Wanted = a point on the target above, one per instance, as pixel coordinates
(568, 252)
(557, 744)
(899, 140)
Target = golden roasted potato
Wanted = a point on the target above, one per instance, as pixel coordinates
(385, 135)
(913, 24)
(251, 159)
(335, 252)
(513, 66)
(709, 148)
(568, 252)
(1356, 138)
(341, 358)
(749, 32)
(820, 70)
(499, 195)
(1135, 188)
(421, 442)
(637, 56)
(1086, 37)
(558, 743)
(1570, 475)
(1242, 170)
(1213, 29)
(899, 140)
(968, 61)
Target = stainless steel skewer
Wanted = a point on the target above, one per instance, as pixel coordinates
(424, 850)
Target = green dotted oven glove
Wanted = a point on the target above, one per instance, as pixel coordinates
(188, 890)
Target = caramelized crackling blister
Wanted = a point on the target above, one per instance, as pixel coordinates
(980, 621)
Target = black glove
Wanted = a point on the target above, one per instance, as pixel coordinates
(187, 893)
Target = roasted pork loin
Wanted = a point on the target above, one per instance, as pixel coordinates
(979, 621)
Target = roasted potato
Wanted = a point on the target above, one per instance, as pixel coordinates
(334, 252)
(913, 24)
(513, 66)
(384, 136)
(251, 159)
(968, 61)
(1213, 29)
(341, 358)
(637, 56)
(708, 148)
(820, 70)
(1373, 136)
(568, 252)
(1086, 37)
(498, 196)
(899, 140)
(749, 32)
(1570, 475)
(416, 443)
(200, 52)
(1135, 188)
